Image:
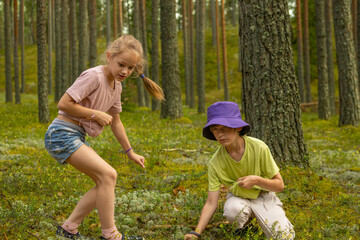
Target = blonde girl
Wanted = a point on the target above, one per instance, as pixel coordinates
(90, 104)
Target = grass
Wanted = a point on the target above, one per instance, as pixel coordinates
(164, 201)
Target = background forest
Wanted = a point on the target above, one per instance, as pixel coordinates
(291, 65)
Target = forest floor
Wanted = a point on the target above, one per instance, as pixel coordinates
(164, 200)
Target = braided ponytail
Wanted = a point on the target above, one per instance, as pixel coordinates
(154, 89)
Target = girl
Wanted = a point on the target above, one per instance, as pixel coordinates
(91, 103)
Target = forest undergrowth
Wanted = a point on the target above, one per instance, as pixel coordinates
(164, 200)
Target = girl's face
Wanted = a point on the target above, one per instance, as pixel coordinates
(225, 135)
(122, 65)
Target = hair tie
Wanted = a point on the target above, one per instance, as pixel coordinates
(142, 75)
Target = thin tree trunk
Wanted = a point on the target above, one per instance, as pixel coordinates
(271, 100)
(345, 56)
(191, 55)
(44, 115)
(143, 41)
(7, 30)
(307, 73)
(186, 52)
(120, 19)
(114, 25)
(58, 72)
(92, 33)
(21, 33)
(330, 61)
(300, 60)
(200, 39)
(64, 47)
(213, 21)
(50, 46)
(74, 41)
(155, 49)
(218, 45)
(83, 36)
(16, 54)
(358, 42)
(172, 107)
(224, 52)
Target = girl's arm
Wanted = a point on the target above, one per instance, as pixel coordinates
(119, 132)
(68, 105)
(206, 213)
(276, 184)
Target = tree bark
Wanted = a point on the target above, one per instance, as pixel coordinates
(345, 56)
(143, 40)
(213, 22)
(92, 33)
(172, 107)
(271, 99)
(58, 72)
(200, 59)
(330, 53)
(44, 115)
(8, 47)
(191, 55)
(224, 52)
(50, 46)
(74, 42)
(83, 36)
(64, 47)
(16, 55)
(307, 73)
(218, 45)
(22, 37)
(358, 42)
(120, 18)
(186, 52)
(155, 49)
(323, 86)
(108, 24)
(300, 57)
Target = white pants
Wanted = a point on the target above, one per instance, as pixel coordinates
(267, 209)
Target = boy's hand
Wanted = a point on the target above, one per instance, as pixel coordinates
(190, 237)
(248, 181)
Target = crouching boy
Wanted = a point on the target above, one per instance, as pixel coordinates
(246, 165)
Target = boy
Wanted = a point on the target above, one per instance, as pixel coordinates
(246, 165)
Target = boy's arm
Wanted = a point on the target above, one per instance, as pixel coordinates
(206, 214)
(275, 184)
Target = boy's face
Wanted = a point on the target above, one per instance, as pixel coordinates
(224, 135)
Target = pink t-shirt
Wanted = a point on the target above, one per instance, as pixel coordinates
(92, 90)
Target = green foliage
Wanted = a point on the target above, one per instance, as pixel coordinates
(164, 200)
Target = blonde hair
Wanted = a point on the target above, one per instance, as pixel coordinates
(129, 43)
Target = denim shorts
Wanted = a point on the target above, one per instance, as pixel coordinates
(63, 138)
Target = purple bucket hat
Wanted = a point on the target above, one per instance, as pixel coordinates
(226, 114)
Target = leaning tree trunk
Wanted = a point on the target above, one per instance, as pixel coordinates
(323, 86)
(7, 30)
(346, 61)
(172, 107)
(44, 115)
(270, 89)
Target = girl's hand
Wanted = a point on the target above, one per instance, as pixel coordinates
(136, 158)
(102, 118)
(248, 181)
(190, 237)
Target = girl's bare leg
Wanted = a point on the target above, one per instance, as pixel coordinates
(86, 160)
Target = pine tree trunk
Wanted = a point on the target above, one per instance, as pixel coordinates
(143, 40)
(64, 47)
(114, 25)
(22, 37)
(218, 45)
(186, 51)
(108, 24)
(307, 73)
(83, 36)
(323, 86)
(224, 52)
(330, 56)
(270, 91)
(172, 107)
(200, 59)
(155, 49)
(16, 55)
(92, 33)
(58, 72)
(345, 56)
(50, 46)
(74, 42)
(120, 18)
(44, 115)
(191, 55)
(300, 58)
(8, 47)
(358, 42)
(213, 22)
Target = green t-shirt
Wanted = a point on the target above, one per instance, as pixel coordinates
(257, 160)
